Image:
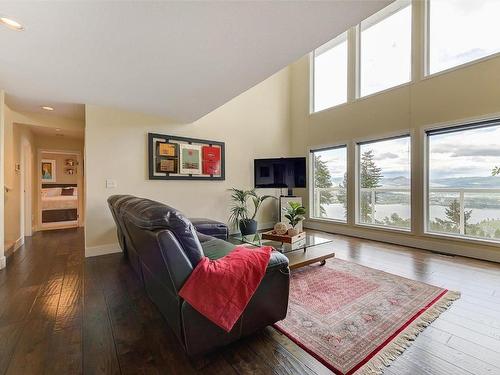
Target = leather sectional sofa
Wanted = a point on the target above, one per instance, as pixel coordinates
(164, 247)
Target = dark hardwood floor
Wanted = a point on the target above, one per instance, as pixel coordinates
(63, 314)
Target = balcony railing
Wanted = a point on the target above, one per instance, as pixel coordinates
(459, 194)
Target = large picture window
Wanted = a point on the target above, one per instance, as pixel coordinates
(329, 196)
(461, 31)
(330, 74)
(463, 195)
(385, 48)
(384, 173)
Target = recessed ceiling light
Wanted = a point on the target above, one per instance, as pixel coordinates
(58, 129)
(11, 24)
(47, 108)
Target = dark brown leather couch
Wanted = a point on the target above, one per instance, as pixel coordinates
(164, 247)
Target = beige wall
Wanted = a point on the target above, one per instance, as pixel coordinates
(44, 142)
(2, 158)
(253, 125)
(468, 92)
(16, 136)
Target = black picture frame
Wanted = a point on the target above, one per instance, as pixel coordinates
(152, 137)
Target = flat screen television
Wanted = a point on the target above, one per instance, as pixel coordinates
(280, 173)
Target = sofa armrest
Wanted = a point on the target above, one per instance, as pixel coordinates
(277, 261)
(211, 227)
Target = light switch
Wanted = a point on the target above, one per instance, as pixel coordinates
(110, 184)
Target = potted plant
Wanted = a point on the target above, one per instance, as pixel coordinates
(294, 214)
(240, 215)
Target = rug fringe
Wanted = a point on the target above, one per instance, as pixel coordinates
(403, 341)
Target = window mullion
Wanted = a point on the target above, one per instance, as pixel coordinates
(352, 64)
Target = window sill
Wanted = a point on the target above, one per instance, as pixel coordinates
(469, 240)
(383, 91)
(312, 113)
(326, 220)
(461, 66)
(384, 228)
(357, 99)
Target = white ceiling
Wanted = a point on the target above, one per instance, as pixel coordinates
(177, 59)
(69, 110)
(46, 131)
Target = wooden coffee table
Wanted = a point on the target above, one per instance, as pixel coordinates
(313, 248)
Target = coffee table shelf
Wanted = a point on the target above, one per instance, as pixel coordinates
(313, 248)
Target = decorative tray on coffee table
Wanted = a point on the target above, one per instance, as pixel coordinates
(283, 238)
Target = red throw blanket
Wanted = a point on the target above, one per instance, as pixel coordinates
(221, 289)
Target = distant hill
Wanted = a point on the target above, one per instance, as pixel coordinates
(465, 182)
(395, 181)
(468, 182)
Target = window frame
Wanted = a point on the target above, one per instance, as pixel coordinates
(358, 143)
(344, 37)
(470, 123)
(427, 48)
(311, 152)
(373, 20)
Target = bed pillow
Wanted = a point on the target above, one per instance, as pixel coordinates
(51, 192)
(67, 191)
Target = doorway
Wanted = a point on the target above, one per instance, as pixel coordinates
(60, 189)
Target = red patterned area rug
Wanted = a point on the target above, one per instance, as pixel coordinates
(355, 319)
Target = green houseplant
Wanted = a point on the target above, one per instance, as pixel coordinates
(294, 214)
(240, 214)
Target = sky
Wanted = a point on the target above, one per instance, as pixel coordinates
(462, 31)
(392, 155)
(336, 160)
(471, 153)
(330, 75)
(386, 53)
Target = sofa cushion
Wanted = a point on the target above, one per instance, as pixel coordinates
(216, 248)
(151, 215)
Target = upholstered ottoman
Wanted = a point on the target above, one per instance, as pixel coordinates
(211, 227)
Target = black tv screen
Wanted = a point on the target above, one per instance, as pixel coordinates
(280, 173)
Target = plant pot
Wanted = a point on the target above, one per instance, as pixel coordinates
(247, 227)
(293, 232)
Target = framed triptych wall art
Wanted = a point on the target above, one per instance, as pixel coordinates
(181, 158)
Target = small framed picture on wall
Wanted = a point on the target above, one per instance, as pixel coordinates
(190, 159)
(167, 166)
(48, 170)
(167, 149)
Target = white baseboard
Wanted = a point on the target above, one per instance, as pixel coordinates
(403, 239)
(18, 244)
(94, 251)
(3, 262)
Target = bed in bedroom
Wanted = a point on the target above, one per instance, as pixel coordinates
(59, 203)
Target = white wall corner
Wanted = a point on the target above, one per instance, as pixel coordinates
(94, 251)
(3, 262)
